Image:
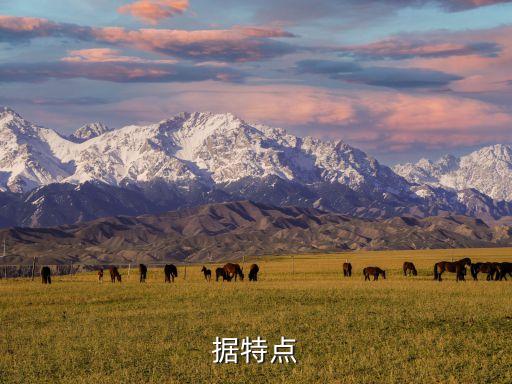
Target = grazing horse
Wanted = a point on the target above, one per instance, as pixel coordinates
(253, 272)
(114, 274)
(410, 269)
(100, 275)
(457, 267)
(490, 268)
(373, 271)
(233, 270)
(170, 272)
(207, 273)
(219, 272)
(143, 272)
(504, 269)
(46, 275)
(347, 269)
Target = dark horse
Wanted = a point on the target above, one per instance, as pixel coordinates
(46, 275)
(219, 272)
(504, 269)
(100, 275)
(373, 271)
(233, 270)
(143, 272)
(490, 268)
(207, 273)
(347, 269)
(457, 267)
(253, 272)
(410, 269)
(170, 272)
(114, 274)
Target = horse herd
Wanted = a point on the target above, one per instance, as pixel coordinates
(227, 273)
(230, 271)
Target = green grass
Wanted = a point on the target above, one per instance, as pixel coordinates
(399, 330)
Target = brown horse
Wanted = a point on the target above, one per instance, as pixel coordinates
(170, 272)
(233, 270)
(457, 267)
(253, 272)
(409, 268)
(143, 272)
(114, 274)
(347, 269)
(373, 271)
(207, 273)
(100, 275)
(46, 275)
(504, 269)
(490, 268)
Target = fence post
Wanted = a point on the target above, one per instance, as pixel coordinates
(185, 273)
(33, 267)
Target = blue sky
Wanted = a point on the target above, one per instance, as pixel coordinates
(399, 79)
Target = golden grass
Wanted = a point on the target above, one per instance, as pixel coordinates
(399, 330)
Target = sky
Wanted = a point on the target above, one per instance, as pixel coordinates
(399, 79)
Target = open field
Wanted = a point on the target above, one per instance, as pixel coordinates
(399, 330)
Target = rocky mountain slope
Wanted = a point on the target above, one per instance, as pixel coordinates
(228, 231)
(488, 170)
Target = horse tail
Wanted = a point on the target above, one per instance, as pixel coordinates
(436, 274)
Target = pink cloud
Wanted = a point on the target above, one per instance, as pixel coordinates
(107, 55)
(235, 44)
(375, 120)
(152, 11)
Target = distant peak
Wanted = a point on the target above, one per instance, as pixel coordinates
(89, 131)
(7, 111)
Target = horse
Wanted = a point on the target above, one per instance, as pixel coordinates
(233, 270)
(170, 272)
(490, 268)
(347, 269)
(143, 272)
(253, 272)
(114, 274)
(100, 275)
(451, 266)
(504, 269)
(207, 273)
(373, 271)
(46, 275)
(219, 272)
(410, 269)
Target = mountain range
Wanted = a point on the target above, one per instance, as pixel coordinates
(191, 159)
(228, 231)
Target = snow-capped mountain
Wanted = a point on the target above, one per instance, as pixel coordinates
(488, 170)
(190, 147)
(198, 158)
(88, 131)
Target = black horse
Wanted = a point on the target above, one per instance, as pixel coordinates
(347, 269)
(114, 274)
(207, 273)
(46, 275)
(219, 272)
(170, 272)
(143, 271)
(253, 272)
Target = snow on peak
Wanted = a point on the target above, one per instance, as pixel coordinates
(488, 170)
(88, 131)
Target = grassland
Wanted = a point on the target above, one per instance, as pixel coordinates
(399, 330)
